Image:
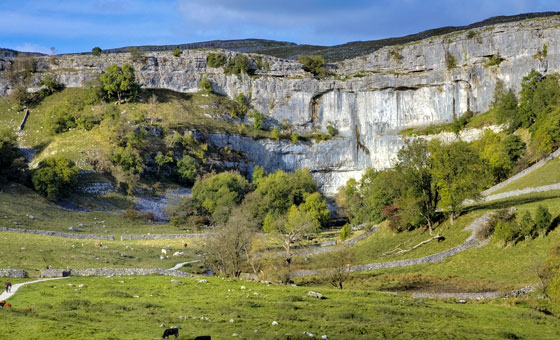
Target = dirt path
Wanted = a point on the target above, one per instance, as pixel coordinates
(5, 295)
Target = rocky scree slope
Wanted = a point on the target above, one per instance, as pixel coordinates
(368, 99)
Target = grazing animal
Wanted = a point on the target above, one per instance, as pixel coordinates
(2, 303)
(28, 309)
(7, 305)
(171, 331)
(164, 252)
(203, 337)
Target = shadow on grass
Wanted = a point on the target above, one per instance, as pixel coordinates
(506, 203)
(164, 96)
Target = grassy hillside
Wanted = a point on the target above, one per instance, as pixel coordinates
(545, 175)
(134, 308)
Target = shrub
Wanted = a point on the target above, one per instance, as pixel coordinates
(12, 162)
(258, 119)
(187, 169)
(543, 220)
(527, 226)
(96, 51)
(331, 130)
(494, 60)
(450, 60)
(240, 106)
(216, 60)
(314, 64)
(136, 56)
(55, 177)
(50, 84)
(507, 232)
(59, 119)
(205, 85)
(345, 232)
(294, 137)
(177, 52)
(275, 134)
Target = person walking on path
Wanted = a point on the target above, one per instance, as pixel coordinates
(8, 286)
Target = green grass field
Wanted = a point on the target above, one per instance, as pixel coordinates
(134, 308)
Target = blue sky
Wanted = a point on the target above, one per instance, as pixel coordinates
(78, 26)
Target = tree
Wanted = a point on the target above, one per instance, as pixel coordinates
(120, 82)
(315, 205)
(314, 64)
(275, 134)
(187, 169)
(542, 220)
(505, 106)
(177, 52)
(216, 60)
(55, 177)
(291, 228)
(217, 194)
(96, 51)
(338, 265)
(231, 244)
(420, 188)
(460, 174)
(12, 161)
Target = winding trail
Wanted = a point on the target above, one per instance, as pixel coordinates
(5, 295)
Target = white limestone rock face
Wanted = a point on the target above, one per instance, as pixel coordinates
(370, 99)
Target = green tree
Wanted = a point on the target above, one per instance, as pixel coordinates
(314, 64)
(218, 194)
(96, 51)
(291, 228)
(120, 82)
(527, 226)
(177, 52)
(315, 205)
(294, 137)
(546, 133)
(163, 160)
(216, 60)
(258, 174)
(187, 169)
(460, 174)
(542, 220)
(12, 162)
(420, 188)
(505, 105)
(55, 177)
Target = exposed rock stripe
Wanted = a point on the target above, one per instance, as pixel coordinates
(476, 296)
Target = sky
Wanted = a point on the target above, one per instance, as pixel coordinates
(78, 26)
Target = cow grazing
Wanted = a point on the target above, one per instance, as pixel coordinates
(171, 331)
(203, 337)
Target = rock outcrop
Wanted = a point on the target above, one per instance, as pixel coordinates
(368, 100)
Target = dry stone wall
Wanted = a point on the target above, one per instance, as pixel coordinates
(18, 273)
(59, 234)
(112, 272)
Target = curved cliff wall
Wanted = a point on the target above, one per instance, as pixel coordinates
(369, 100)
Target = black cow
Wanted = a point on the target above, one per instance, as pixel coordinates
(171, 331)
(203, 337)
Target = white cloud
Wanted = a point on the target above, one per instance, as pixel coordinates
(28, 47)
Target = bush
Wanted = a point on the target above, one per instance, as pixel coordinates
(543, 220)
(55, 177)
(12, 162)
(294, 137)
(187, 169)
(59, 118)
(507, 232)
(205, 85)
(345, 232)
(314, 64)
(240, 106)
(216, 60)
(258, 119)
(176, 52)
(96, 51)
(239, 64)
(494, 60)
(450, 60)
(275, 134)
(331, 130)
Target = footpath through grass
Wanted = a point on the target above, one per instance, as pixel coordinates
(134, 308)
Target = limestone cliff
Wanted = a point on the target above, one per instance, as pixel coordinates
(369, 99)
